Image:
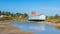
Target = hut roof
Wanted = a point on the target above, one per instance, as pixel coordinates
(35, 14)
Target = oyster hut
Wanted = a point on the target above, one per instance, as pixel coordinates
(36, 17)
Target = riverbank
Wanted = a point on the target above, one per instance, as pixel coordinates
(11, 29)
(57, 25)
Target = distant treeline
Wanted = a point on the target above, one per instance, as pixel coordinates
(22, 16)
(13, 16)
(53, 19)
(56, 16)
(7, 13)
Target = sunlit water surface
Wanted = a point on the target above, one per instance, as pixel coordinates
(37, 28)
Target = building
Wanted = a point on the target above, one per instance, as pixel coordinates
(36, 17)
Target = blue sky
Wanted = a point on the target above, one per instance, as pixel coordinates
(47, 7)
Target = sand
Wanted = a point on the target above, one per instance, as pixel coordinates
(10, 29)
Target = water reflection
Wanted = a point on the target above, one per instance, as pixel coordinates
(37, 28)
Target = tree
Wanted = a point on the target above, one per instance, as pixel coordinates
(18, 14)
(7, 13)
(25, 15)
(3, 13)
(0, 12)
(13, 15)
(56, 16)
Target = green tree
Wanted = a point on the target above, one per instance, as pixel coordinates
(0, 12)
(13, 15)
(56, 16)
(18, 14)
(7, 13)
(3, 12)
(25, 15)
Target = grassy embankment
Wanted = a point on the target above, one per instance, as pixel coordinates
(13, 19)
(54, 21)
(19, 19)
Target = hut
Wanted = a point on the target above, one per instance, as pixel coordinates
(36, 17)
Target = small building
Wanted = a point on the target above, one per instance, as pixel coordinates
(36, 17)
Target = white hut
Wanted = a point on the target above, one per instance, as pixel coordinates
(36, 17)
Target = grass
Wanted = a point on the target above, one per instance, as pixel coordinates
(53, 20)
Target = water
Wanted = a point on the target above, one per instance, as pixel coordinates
(37, 28)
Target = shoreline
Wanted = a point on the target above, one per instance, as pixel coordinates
(7, 28)
(57, 25)
(7, 22)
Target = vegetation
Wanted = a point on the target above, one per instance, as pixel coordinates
(12, 16)
(53, 19)
(24, 16)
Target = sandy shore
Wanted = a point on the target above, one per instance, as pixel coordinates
(6, 28)
(10, 29)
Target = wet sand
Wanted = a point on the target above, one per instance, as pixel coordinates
(10, 29)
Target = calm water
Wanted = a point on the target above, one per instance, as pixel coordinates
(37, 28)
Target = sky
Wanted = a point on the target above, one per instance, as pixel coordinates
(46, 7)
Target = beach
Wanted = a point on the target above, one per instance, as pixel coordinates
(6, 28)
